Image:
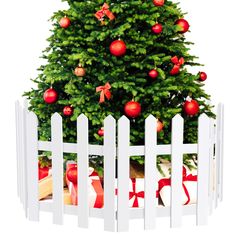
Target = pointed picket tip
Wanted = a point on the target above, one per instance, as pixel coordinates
(56, 116)
(203, 117)
(109, 118)
(32, 117)
(177, 117)
(82, 117)
(151, 118)
(124, 120)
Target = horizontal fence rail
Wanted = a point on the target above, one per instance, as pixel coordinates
(117, 150)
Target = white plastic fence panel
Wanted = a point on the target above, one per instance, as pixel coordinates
(109, 173)
(32, 165)
(123, 174)
(221, 151)
(57, 168)
(83, 165)
(150, 173)
(203, 169)
(176, 170)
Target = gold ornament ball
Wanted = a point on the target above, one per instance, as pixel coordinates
(80, 71)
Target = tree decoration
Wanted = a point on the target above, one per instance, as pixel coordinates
(157, 28)
(202, 76)
(158, 3)
(104, 11)
(132, 109)
(183, 24)
(153, 73)
(118, 48)
(160, 126)
(65, 22)
(191, 107)
(177, 65)
(101, 132)
(80, 71)
(104, 92)
(68, 111)
(50, 96)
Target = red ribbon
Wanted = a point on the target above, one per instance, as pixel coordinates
(135, 194)
(167, 182)
(105, 92)
(104, 12)
(177, 64)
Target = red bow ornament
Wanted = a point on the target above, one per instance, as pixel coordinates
(134, 194)
(105, 92)
(177, 64)
(104, 12)
(167, 182)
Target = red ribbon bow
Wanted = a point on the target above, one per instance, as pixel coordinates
(177, 64)
(105, 92)
(135, 194)
(104, 11)
(167, 182)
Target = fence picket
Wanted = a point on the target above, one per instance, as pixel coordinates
(203, 169)
(123, 174)
(32, 166)
(57, 168)
(150, 173)
(83, 160)
(176, 170)
(109, 173)
(17, 114)
(221, 143)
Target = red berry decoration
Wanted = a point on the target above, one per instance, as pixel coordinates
(50, 96)
(72, 175)
(101, 132)
(157, 28)
(118, 48)
(158, 3)
(65, 22)
(191, 107)
(202, 76)
(160, 126)
(132, 109)
(184, 25)
(68, 111)
(153, 73)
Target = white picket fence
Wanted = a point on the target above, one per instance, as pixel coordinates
(209, 150)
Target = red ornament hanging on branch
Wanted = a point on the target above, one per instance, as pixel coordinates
(50, 96)
(132, 109)
(104, 92)
(65, 22)
(183, 24)
(80, 71)
(101, 132)
(68, 111)
(202, 76)
(177, 65)
(191, 107)
(118, 48)
(157, 28)
(153, 73)
(160, 126)
(158, 3)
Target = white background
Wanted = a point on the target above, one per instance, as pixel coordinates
(23, 32)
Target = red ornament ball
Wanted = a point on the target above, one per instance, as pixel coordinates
(50, 96)
(202, 76)
(157, 28)
(160, 126)
(42, 172)
(132, 109)
(101, 132)
(80, 71)
(72, 175)
(64, 22)
(118, 48)
(184, 25)
(153, 73)
(191, 107)
(158, 3)
(68, 111)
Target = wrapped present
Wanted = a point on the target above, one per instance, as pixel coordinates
(45, 182)
(136, 193)
(189, 190)
(95, 190)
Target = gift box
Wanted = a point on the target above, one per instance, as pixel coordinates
(95, 190)
(45, 182)
(189, 190)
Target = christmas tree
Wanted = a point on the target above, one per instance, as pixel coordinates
(119, 58)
